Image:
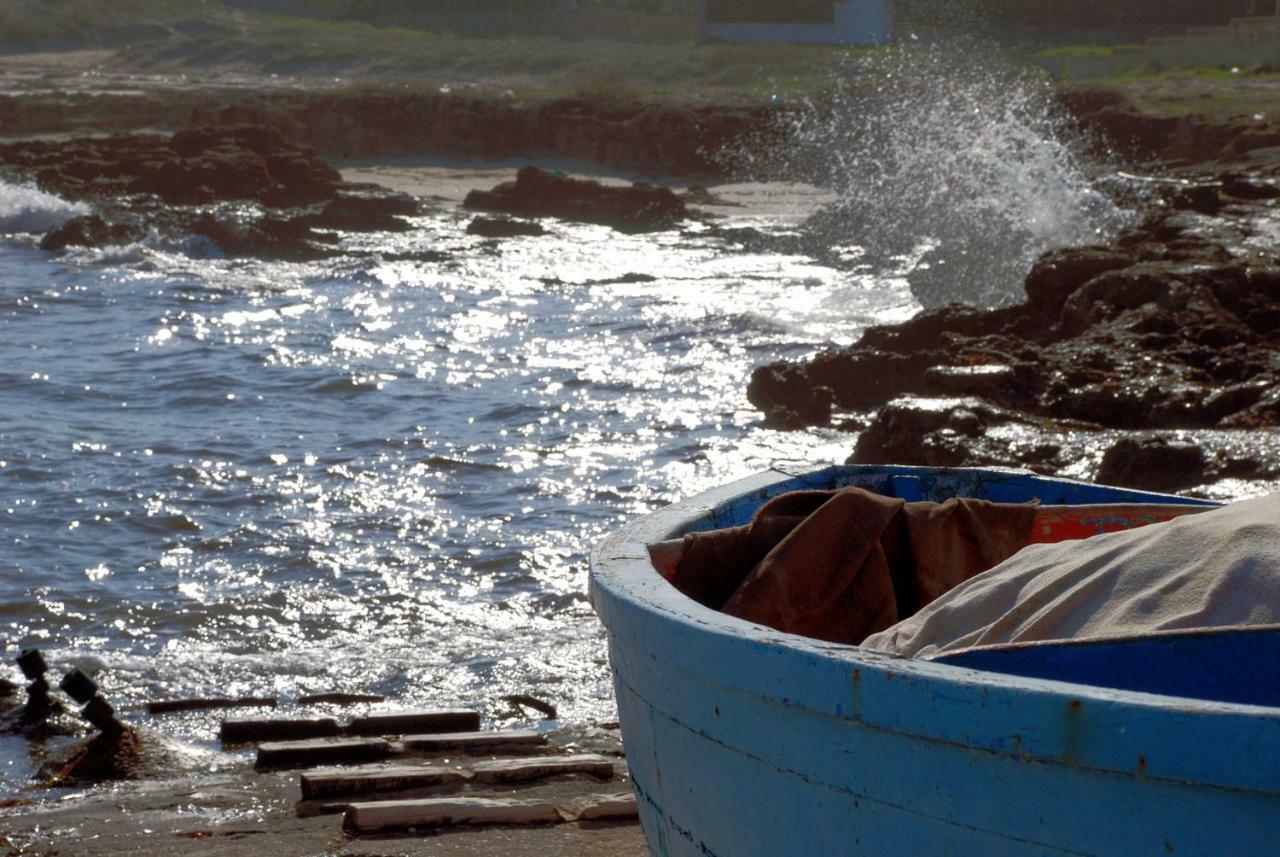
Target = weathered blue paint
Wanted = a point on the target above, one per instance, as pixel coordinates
(1229, 665)
(745, 741)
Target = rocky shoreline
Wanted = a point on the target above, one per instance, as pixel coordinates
(1173, 325)
(645, 138)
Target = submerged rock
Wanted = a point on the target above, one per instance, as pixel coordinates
(539, 193)
(288, 238)
(88, 231)
(504, 227)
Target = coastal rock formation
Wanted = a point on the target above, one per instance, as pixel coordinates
(646, 138)
(1138, 134)
(199, 166)
(1153, 464)
(198, 182)
(88, 231)
(1175, 325)
(365, 208)
(539, 193)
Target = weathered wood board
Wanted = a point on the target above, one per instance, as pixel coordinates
(323, 751)
(525, 770)
(475, 742)
(416, 722)
(351, 781)
(444, 812)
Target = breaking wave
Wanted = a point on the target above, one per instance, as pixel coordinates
(952, 166)
(24, 208)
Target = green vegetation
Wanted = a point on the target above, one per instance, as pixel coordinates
(84, 22)
(1072, 51)
(195, 37)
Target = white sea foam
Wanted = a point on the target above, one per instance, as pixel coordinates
(25, 208)
(954, 165)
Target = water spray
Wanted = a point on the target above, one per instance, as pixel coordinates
(953, 167)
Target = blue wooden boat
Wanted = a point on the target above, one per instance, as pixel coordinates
(746, 741)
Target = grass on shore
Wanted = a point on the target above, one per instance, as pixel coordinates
(191, 35)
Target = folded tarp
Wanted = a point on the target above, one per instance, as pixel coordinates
(840, 565)
(1211, 570)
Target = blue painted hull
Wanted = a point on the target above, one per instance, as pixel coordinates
(745, 741)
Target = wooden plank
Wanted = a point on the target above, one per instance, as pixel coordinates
(416, 722)
(340, 698)
(446, 812)
(170, 706)
(323, 751)
(252, 730)
(622, 807)
(526, 770)
(475, 742)
(323, 784)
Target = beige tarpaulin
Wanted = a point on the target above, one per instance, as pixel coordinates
(1216, 569)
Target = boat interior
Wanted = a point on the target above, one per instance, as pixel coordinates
(1202, 664)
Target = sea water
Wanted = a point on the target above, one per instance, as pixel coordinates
(382, 473)
(227, 477)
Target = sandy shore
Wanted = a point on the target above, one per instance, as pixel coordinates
(220, 805)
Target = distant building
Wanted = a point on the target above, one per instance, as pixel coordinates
(822, 22)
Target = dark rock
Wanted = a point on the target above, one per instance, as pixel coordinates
(929, 330)
(1153, 464)
(538, 193)
(945, 433)
(504, 227)
(1136, 134)
(87, 231)
(287, 238)
(1241, 187)
(365, 210)
(789, 398)
(865, 378)
(1205, 199)
(1175, 326)
(193, 167)
(990, 381)
(1057, 275)
(1264, 414)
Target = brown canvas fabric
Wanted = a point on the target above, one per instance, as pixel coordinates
(842, 565)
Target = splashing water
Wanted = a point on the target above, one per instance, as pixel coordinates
(24, 208)
(952, 165)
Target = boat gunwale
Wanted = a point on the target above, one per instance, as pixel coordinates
(1131, 732)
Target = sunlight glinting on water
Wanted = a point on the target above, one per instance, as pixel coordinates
(254, 478)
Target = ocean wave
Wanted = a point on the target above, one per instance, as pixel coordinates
(25, 208)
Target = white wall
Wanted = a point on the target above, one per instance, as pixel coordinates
(865, 22)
